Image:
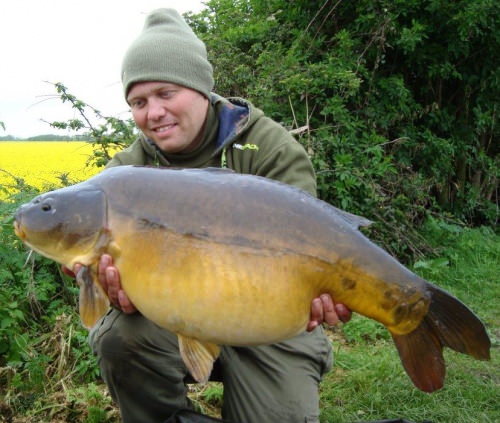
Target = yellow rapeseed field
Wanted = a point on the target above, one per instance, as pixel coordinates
(43, 164)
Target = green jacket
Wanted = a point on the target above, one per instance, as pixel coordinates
(237, 136)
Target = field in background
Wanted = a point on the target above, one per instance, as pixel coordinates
(43, 164)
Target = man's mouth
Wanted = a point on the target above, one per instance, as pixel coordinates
(164, 128)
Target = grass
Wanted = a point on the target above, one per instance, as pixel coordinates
(368, 381)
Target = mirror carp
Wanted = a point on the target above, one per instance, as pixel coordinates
(221, 258)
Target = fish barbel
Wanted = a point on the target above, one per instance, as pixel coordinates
(222, 258)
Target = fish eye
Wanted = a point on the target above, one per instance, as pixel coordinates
(47, 205)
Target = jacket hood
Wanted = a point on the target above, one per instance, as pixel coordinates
(236, 115)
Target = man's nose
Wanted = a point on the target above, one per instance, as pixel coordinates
(156, 109)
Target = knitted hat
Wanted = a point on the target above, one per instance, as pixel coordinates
(168, 50)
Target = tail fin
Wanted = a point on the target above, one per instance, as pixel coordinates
(448, 323)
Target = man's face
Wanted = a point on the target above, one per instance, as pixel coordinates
(172, 116)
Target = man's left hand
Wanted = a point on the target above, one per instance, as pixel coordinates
(325, 310)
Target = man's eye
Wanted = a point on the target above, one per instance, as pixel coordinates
(137, 104)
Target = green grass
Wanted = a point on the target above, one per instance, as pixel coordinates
(368, 381)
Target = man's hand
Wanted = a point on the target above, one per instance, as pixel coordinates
(323, 308)
(109, 278)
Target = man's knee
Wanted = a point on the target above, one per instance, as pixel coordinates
(119, 334)
(140, 363)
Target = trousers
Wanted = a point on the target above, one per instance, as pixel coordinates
(142, 367)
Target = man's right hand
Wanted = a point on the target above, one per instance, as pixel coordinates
(109, 278)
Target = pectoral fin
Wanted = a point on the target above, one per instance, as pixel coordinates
(198, 356)
(93, 301)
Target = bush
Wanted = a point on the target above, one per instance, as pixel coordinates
(399, 100)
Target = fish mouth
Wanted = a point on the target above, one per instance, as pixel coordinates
(19, 231)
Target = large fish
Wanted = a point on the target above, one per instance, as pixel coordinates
(223, 258)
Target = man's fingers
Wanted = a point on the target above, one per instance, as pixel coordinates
(109, 279)
(104, 263)
(113, 285)
(125, 304)
(317, 310)
(329, 312)
(316, 316)
(343, 313)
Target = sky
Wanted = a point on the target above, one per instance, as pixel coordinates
(79, 43)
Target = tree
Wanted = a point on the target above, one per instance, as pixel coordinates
(107, 135)
(399, 98)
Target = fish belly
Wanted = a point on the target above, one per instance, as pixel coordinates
(237, 295)
(219, 293)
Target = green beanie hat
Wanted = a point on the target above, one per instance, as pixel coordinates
(168, 50)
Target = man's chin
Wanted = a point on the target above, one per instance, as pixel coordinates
(167, 145)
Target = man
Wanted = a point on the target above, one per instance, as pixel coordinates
(167, 82)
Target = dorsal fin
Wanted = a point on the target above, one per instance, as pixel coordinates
(353, 219)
